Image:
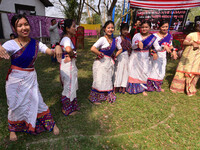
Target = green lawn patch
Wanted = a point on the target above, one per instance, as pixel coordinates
(157, 121)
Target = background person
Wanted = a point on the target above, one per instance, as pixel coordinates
(12, 36)
(54, 36)
(187, 72)
(135, 29)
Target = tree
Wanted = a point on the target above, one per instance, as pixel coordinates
(108, 5)
(95, 19)
(73, 9)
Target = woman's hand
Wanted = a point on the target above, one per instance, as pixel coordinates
(67, 58)
(129, 52)
(195, 46)
(3, 53)
(167, 48)
(174, 55)
(58, 52)
(155, 56)
(140, 45)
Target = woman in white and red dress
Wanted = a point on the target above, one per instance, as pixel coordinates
(103, 66)
(68, 69)
(139, 65)
(157, 73)
(27, 111)
(121, 66)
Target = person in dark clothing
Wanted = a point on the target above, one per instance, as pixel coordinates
(135, 29)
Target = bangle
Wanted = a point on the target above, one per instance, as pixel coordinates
(101, 55)
(152, 52)
(137, 42)
(75, 54)
(115, 58)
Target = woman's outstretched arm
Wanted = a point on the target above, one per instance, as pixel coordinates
(3, 53)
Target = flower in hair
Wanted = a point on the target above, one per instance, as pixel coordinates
(61, 24)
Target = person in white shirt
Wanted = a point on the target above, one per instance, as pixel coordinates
(54, 35)
(68, 69)
(139, 64)
(103, 66)
(121, 66)
(27, 111)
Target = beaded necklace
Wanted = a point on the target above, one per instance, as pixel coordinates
(21, 43)
(108, 39)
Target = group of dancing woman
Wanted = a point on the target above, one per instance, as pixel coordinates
(121, 65)
(137, 66)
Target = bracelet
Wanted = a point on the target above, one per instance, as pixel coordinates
(165, 43)
(75, 54)
(152, 52)
(137, 42)
(115, 58)
(174, 49)
(101, 55)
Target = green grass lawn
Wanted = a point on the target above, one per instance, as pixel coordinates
(158, 121)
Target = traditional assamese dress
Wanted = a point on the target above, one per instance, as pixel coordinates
(103, 70)
(188, 70)
(121, 66)
(27, 111)
(139, 65)
(158, 69)
(69, 79)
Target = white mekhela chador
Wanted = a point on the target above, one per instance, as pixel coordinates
(139, 64)
(103, 70)
(158, 69)
(27, 111)
(121, 66)
(69, 79)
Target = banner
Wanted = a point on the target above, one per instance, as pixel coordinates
(154, 16)
(164, 4)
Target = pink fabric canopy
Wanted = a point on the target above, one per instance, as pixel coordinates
(164, 4)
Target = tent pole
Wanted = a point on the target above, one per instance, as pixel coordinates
(171, 19)
(127, 12)
(123, 11)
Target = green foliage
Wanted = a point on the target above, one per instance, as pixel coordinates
(157, 121)
(71, 9)
(118, 13)
(194, 12)
(95, 19)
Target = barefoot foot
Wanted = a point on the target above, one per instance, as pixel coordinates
(162, 90)
(13, 136)
(114, 90)
(144, 93)
(173, 91)
(97, 103)
(123, 90)
(73, 113)
(55, 130)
